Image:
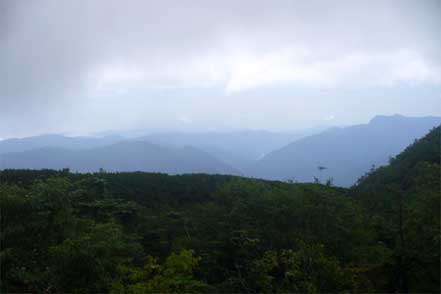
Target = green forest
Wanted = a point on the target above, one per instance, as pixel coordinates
(145, 232)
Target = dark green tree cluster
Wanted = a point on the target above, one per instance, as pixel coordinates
(403, 200)
(144, 233)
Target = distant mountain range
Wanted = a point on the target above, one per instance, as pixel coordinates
(123, 156)
(215, 152)
(239, 148)
(343, 154)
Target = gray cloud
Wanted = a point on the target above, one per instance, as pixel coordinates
(86, 65)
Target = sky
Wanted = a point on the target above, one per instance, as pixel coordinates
(78, 67)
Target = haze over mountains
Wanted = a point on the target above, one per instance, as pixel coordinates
(29, 143)
(122, 156)
(343, 154)
(238, 148)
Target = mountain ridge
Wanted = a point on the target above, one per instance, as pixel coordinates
(122, 156)
(345, 152)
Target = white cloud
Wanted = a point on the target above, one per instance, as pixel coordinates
(358, 69)
(242, 70)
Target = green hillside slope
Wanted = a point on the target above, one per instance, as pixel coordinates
(403, 201)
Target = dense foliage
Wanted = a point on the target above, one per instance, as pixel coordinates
(141, 232)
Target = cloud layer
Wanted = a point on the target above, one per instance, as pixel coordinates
(125, 61)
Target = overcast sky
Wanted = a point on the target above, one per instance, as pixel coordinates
(90, 65)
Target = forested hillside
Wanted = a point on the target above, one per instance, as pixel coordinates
(144, 232)
(403, 200)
